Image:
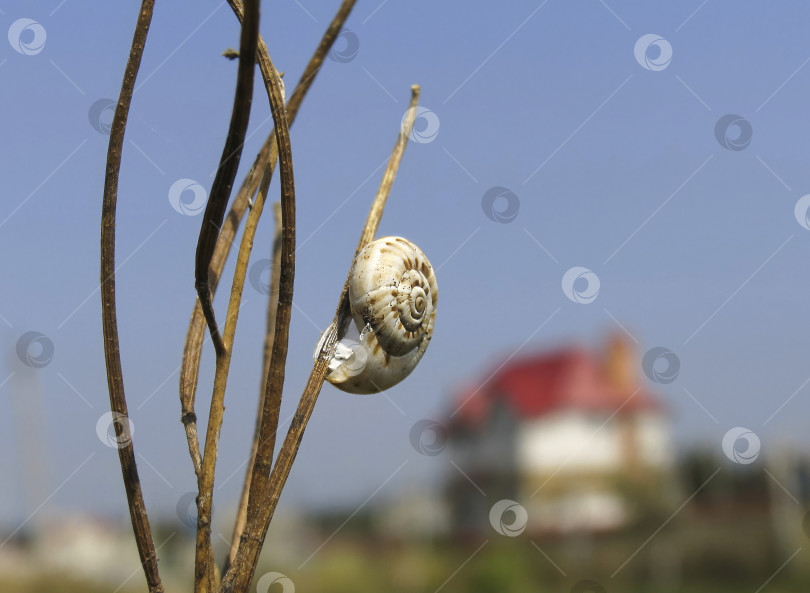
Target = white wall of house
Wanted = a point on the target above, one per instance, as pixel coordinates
(574, 441)
(568, 441)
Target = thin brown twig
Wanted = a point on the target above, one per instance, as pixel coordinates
(390, 170)
(192, 350)
(265, 161)
(241, 513)
(270, 397)
(314, 65)
(266, 491)
(342, 317)
(112, 354)
(217, 410)
(226, 172)
(278, 362)
(204, 572)
(275, 279)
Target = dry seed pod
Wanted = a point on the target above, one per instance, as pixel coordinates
(392, 295)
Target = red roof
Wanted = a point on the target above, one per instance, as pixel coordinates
(539, 384)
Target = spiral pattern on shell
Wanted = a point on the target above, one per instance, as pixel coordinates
(392, 296)
(393, 289)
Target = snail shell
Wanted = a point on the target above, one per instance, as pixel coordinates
(392, 296)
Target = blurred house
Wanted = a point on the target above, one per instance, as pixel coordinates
(573, 436)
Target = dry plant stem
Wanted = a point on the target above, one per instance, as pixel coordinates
(190, 366)
(204, 576)
(204, 557)
(228, 164)
(343, 316)
(315, 62)
(241, 514)
(390, 170)
(115, 380)
(265, 160)
(271, 303)
(275, 381)
(265, 491)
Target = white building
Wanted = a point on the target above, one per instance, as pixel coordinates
(574, 438)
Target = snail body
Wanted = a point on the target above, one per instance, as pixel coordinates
(392, 297)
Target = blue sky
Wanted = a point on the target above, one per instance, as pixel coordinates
(614, 162)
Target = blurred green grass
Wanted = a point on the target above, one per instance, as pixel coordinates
(722, 556)
(730, 538)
